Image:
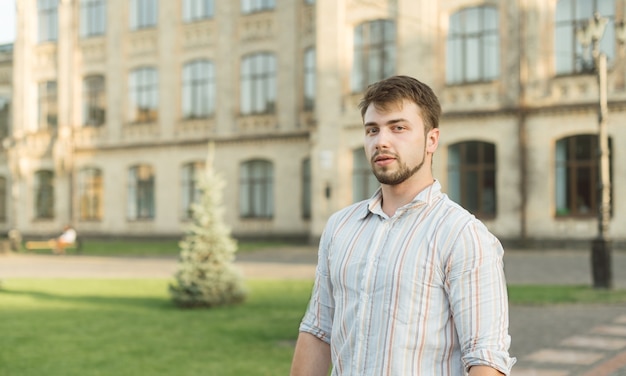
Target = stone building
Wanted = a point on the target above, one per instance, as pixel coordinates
(114, 104)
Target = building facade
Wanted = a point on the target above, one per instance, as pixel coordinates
(114, 104)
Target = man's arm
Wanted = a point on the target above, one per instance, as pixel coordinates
(484, 371)
(311, 357)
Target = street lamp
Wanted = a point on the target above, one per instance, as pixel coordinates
(601, 246)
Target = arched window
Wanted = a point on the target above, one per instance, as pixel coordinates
(472, 176)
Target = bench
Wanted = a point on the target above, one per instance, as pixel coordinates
(32, 245)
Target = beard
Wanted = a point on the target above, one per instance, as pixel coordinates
(396, 177)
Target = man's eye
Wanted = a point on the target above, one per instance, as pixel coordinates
(371, 130)
(399, 128)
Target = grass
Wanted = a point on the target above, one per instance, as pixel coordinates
(129, 327)
(550, 294)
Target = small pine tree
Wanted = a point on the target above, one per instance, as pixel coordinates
(206, 276)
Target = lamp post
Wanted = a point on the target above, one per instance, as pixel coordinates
(601, 246)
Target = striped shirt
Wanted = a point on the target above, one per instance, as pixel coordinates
(420, 293)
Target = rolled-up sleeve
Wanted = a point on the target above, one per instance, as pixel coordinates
(318, 319)
(478, 299)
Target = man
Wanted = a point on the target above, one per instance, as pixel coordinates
(407, 282)
(66, 239)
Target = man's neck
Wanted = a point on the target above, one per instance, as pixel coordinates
(396, 196)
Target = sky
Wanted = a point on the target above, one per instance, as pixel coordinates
(7, 21)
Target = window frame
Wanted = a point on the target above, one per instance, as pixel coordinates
(47, 20)
(258, 76)
(568, 166)
(567, 19)
(256, 6)
(198, 10)
(44, 194)
(485, 172)
(374, 52)
(309, 79)
(143, 87)
(191, 175)
(256, 189)
(473, 46)
(93, 18)
(199, 89)
(141, 203)
(364, 182)
(143, 14)
(47, 105)
(94, 100)
(90, 194)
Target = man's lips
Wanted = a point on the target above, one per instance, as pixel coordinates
(383, 159)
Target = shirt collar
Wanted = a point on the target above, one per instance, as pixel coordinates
(425, 196)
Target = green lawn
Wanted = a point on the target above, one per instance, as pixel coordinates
(130, 327)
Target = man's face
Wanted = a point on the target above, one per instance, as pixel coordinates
(396, 145)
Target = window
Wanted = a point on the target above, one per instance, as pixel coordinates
(44, 194)
(374, 53)
(198, 89)
(472, 177)
(144, 95)
(258, 84)
(190, 180)
(3, 199)
(140, 192)
(252, 6)
(570, 15)
(94, 101)
(256, 189)
(577, 175)
(309, 79)
(306, 188)
(5, 117)
(473, 45)
(143, 14)
(194, 10)
(364, 183)
(90, 194)
(47, 106)
(47, 20)
(92, 17)
(310, 2)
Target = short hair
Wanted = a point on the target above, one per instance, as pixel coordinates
(394, 89)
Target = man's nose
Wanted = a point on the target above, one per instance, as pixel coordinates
(382, 139)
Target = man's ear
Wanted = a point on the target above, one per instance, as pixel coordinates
(432, 140)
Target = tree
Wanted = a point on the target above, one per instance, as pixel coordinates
(206, 275)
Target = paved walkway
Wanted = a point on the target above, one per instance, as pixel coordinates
(559, 340)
